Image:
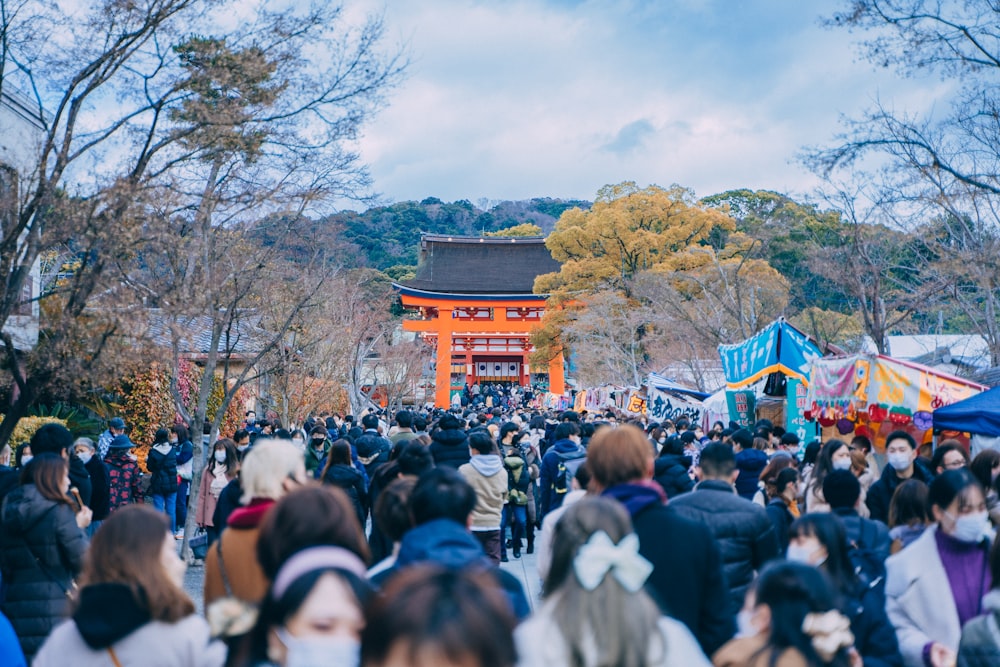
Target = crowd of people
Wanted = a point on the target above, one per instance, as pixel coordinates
(380, 544)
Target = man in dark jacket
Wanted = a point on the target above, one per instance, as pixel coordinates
(373, 449)
(742, 528)
(57, 439)
(441, 503)
(901, 452)
(450, 442)
(688, 580)
(566, 452)
(842, 490)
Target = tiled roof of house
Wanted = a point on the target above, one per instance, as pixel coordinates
(481, 265)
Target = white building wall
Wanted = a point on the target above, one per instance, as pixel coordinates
(21, 133)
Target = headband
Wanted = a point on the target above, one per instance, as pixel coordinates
(316, 558)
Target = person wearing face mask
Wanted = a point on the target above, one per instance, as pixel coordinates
(790, 619)
(312, 614)
(132, 608)
(835, 455)
(316, 450)
(100, 496)
(986, 468)
(222, 468)
(936, 585)
(820, 540)
(901, 453)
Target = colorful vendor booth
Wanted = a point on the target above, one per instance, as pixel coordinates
(874, 395)
(767, 376)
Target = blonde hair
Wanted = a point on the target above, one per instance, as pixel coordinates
(619, 455)
(266, 467)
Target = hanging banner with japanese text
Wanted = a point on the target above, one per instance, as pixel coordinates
(742, 407)
(797, 396)
(662, 406)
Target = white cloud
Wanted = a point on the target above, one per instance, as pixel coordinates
(516, 98)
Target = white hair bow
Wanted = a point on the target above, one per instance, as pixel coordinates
(600, 555)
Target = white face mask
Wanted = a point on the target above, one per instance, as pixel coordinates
(220, 455)
(26, 459)
(84, 457)
(320, 651)
(842, 464)
(971, 528)
(900, 460)
(799, 554)
(242, 448)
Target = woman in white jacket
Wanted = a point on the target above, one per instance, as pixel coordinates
(132, 609)
(935, 585)
(595, 611)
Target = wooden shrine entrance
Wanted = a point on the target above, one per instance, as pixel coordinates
(479, 338)
(474, 301)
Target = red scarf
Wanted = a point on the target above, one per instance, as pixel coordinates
(251, 515)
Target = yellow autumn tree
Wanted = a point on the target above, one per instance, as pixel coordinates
(627, 232)
(523, 229)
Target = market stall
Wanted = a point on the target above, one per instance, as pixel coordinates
(978, 415)
(874, 395)
(780, 356)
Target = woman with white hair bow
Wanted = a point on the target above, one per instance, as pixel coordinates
(595, 610)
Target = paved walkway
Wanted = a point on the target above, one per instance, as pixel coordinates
(524, 569)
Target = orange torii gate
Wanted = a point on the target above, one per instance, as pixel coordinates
(480, 333)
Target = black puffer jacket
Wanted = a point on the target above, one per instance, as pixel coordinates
(671, 472)
(353, 484)
(162, 464)
(745, 534)
(450, 447)
(41, 552)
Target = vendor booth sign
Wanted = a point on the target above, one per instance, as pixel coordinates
(742, 407)
(779, 347)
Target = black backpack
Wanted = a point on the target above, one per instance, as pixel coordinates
(568, 464)
(867, 564)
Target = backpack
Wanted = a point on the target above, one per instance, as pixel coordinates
(867, 564)
(566, 468)
(518, 482)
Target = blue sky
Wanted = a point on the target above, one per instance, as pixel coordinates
(512, 99)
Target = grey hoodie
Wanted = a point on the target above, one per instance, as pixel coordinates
(486, 474)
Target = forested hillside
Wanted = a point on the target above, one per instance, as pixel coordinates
(387, 236)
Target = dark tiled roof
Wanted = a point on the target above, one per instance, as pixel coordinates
(990, 377)
(481, 265)
(194, 334)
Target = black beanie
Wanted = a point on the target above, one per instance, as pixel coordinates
(841, 489)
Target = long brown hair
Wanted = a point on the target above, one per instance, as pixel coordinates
(126, 550)
(47, 472)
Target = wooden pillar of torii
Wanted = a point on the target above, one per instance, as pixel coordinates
(478, 329)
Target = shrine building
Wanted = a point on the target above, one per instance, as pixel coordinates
(473, 296)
